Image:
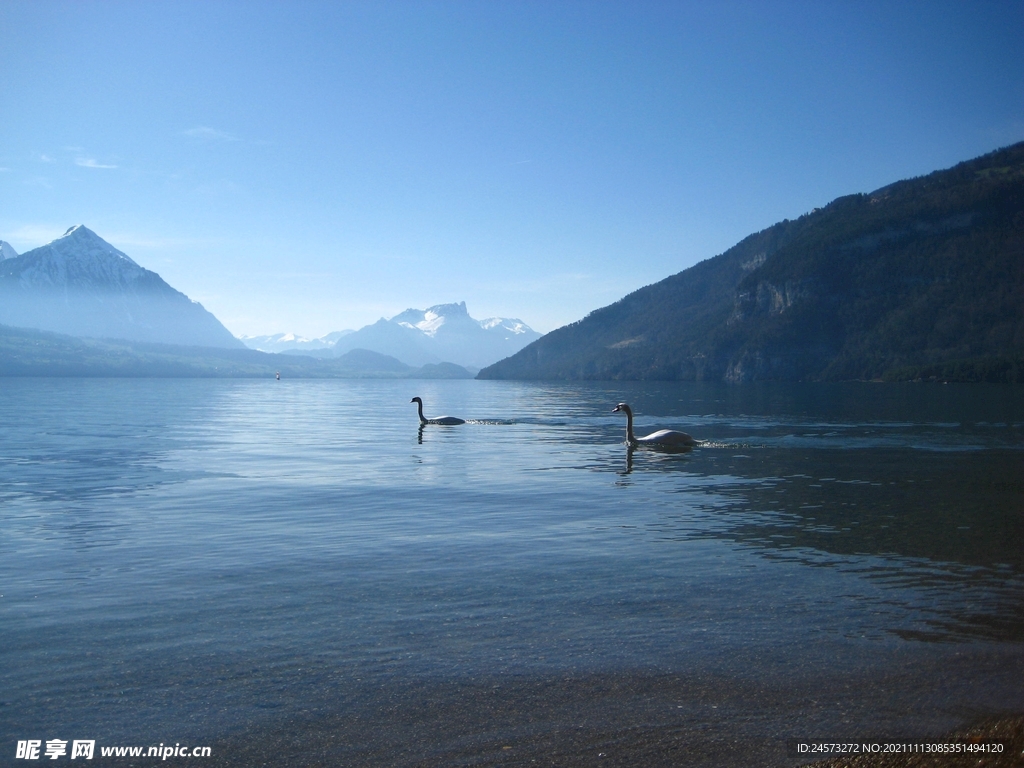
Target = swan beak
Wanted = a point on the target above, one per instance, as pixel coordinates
(616, 409)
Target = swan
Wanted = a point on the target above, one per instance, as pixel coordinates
(448, 420)
(664, 438)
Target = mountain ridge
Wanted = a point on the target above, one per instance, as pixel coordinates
(918, 273)
(442, 332)
(80, 285)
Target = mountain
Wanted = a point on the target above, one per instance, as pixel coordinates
(292, 344)
(443, 332)
(82, 286)
(29, 352)
(456, 336)
(6, 251)
(922, 276)
(389, 338)
(418, 337)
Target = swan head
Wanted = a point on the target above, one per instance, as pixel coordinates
(622, 407)
(416, 400)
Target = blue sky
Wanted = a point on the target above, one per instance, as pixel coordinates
(308, 167)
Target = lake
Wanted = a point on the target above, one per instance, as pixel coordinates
(294, 573)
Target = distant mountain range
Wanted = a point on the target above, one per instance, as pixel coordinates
(26, 352)
(291, 343)
(81, 285)
(444, 332)
(68, 304)
(922, 278)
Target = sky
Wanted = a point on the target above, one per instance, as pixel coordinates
(309, 167)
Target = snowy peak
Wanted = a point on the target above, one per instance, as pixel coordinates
(454, 318)
(292, 342)
(6, 251)
(81, 241)
(430, 320)
(511, 326)
(79, 284)
(441, 333)
(449, 310)
(79, 259)
(447, 332)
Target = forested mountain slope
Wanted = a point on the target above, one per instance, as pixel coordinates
(922, 275)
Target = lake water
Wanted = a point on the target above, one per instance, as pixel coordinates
(294, 573)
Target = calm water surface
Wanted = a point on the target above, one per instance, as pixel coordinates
(293, 572)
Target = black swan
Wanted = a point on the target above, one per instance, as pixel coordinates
(448, 420)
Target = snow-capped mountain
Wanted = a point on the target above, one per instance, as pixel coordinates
(442, 333)
(81, 285)
(294, 344)
(449, 332)
(6, 251)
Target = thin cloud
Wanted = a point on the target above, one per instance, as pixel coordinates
(29, 236)
(46, 159)
(88, 162)
(205, 132)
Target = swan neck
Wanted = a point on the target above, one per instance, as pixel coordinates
(629, 428)
(419, 409)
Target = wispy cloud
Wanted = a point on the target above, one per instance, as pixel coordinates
(43, 158)
(88, 162)
(5, 170)
(28, 236)
(210, 134)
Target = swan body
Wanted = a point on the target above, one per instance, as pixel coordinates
(663, 438)
(446, 420)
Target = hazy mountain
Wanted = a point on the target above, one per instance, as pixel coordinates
(443, 332)
(29, 352)
(418, 337)
(922, 276)
(81, 285)
(290, 342)
(454, 335)
(407, 344)
(6, 251)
